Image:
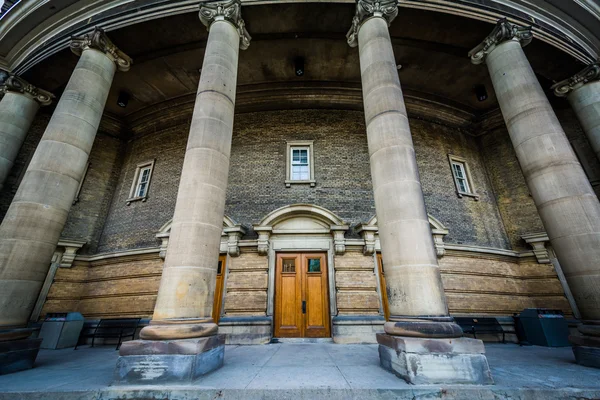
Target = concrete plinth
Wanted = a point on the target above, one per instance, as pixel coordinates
(148, 362)
(423, 361)
(246, 330)
(18, 355)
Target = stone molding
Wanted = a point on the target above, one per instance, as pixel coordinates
(232, 232)
(365, 9)
(227, 10)
(66, 257)
(369, 232)
(503, 31)
(590, 73)
(15, 84)
(98, 40)
(538, 241)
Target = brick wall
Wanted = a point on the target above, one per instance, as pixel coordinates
(257, 174)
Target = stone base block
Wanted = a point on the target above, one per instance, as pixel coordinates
(587, 356)
(423, 361)
(149, 362)
(18, 355)
(350, 329)
(246, 330)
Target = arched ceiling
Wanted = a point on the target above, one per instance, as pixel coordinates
(430, 47)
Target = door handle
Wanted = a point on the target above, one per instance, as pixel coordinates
(303, 307)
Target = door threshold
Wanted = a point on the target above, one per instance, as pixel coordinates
(301, 340)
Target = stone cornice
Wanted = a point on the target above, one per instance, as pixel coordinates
(590, 73)
(503, 31)
(16, 84)
(98, 40)
(365, 9)
(228, 10)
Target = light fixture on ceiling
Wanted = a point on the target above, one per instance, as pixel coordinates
(480, 92)
(123, 99)
(299, 66)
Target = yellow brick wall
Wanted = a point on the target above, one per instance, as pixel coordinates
(246, 285)
(356, 284)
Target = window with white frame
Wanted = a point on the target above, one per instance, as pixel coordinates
(141, 182)
(462, 177)
(300, 163)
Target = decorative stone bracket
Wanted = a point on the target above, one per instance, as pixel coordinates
(233, 234)
(368, 233)
(538, 242)
(264, 233)
(339, 242)
(71, 247)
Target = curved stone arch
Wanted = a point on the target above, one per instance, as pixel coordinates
(301, 219)
(369, 231)
(231, 230)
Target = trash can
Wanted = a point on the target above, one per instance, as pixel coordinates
(545, 327)
(61, 330)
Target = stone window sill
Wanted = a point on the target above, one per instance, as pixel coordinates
(473, 195)
(142, 199)
(311, 182)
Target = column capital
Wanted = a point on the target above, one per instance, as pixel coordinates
(503, 31)
(365, 9)
(16, 84)
(225, 10)
(98, 40)
(590, 73)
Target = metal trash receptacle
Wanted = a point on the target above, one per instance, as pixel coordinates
(61, 330)
(545, 327)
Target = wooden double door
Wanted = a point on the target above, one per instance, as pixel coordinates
(301, 296)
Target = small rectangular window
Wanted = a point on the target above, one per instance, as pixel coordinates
(462, 177)
(300, 163)
(141, 182)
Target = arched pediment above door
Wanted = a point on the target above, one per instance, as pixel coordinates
(301, 219)
(232, 233)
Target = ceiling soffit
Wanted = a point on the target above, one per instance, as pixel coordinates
(20, 51)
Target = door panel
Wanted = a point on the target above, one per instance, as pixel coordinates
(384, 298)
(218, 301)
(301, 296)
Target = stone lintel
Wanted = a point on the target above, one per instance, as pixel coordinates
(435, 361)
(149, 362)
(225, 10)
(365, 9)
(98, 40)
(591, 73)
(503, 31)
(15, 84)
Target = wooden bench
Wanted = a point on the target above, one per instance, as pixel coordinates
(475, 325)
(117, 328)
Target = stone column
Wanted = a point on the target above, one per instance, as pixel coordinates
(583, 92)
(35, 219)
(567, 205)
(184, 304)
(18, 107)
(416, 296)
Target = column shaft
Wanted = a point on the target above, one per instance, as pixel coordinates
(16, 115)
(586, 103)
(567, 205)
(414, 285)
(32, 226)
(189, 274)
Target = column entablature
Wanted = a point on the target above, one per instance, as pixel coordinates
(227, 10)
(503, 31)
(365, 9)
(17, 84)
(590, 73)
(98, 40)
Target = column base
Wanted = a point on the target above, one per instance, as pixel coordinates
(150, 362)
(18, 355)
(424, 361)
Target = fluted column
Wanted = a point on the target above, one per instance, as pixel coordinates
(18, 107)
(583, 92)
(186, 293)
(567, 205)
(31, 228)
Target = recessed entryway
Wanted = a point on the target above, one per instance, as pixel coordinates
(217, 303)
(301, 295)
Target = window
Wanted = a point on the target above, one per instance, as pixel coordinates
(300, 163)
(141, 182)
(462, 177)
